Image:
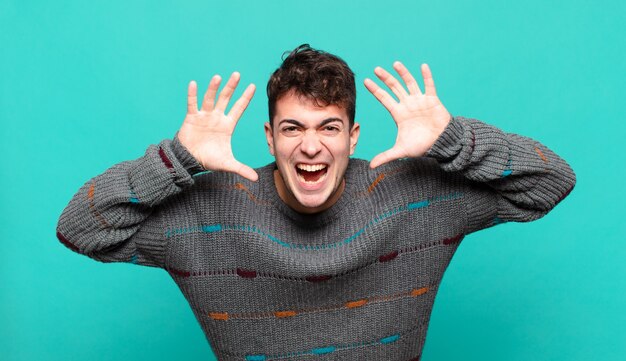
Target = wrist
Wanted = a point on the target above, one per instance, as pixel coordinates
(446, 144)
(184, 156)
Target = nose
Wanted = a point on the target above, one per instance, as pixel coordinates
(311, 144)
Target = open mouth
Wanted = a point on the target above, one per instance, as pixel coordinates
(311, 173)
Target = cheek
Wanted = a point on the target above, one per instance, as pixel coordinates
(282, 152)
(340, 150)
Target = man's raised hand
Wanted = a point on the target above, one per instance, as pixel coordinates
(207, 132)
(420, 118)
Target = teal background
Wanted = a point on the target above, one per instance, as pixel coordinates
(85, 85)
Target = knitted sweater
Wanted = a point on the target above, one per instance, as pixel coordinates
(354, 282)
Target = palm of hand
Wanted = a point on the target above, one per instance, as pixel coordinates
(420, 118)
(207, 132)
(209, 137)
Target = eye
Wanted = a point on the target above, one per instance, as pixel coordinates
(330, 129)
(290, 130)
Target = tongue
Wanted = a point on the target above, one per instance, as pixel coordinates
(312, 176)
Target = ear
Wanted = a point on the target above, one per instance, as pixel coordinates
(269, 135)
(354, 136)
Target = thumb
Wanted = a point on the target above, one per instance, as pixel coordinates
(385, 157)
(244, 171)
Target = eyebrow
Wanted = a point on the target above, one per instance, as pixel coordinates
(321, 124)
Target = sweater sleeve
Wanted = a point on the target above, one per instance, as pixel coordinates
(111, 217)
(511, 177)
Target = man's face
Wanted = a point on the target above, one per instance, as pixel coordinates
(311, 145)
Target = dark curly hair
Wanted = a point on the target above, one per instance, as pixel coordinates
(314, 74)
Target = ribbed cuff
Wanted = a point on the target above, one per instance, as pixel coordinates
(186, 159)
(449, 143)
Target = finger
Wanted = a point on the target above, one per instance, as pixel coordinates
(227, 92)
(209, 96)
(242, 103)
(385, 157)
(407, 77)
(383, 97)
(391, 82)
(192, 99)
(429, 83)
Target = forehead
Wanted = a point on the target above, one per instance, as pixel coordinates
(306, 111)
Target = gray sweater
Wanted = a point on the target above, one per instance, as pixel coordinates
(354, 282)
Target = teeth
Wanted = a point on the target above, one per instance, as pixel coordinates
(311, 168)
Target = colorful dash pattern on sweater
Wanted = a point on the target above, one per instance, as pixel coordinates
(355, 282)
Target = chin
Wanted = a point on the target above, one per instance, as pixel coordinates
(312, 202)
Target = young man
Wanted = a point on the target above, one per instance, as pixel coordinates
(316, 256)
